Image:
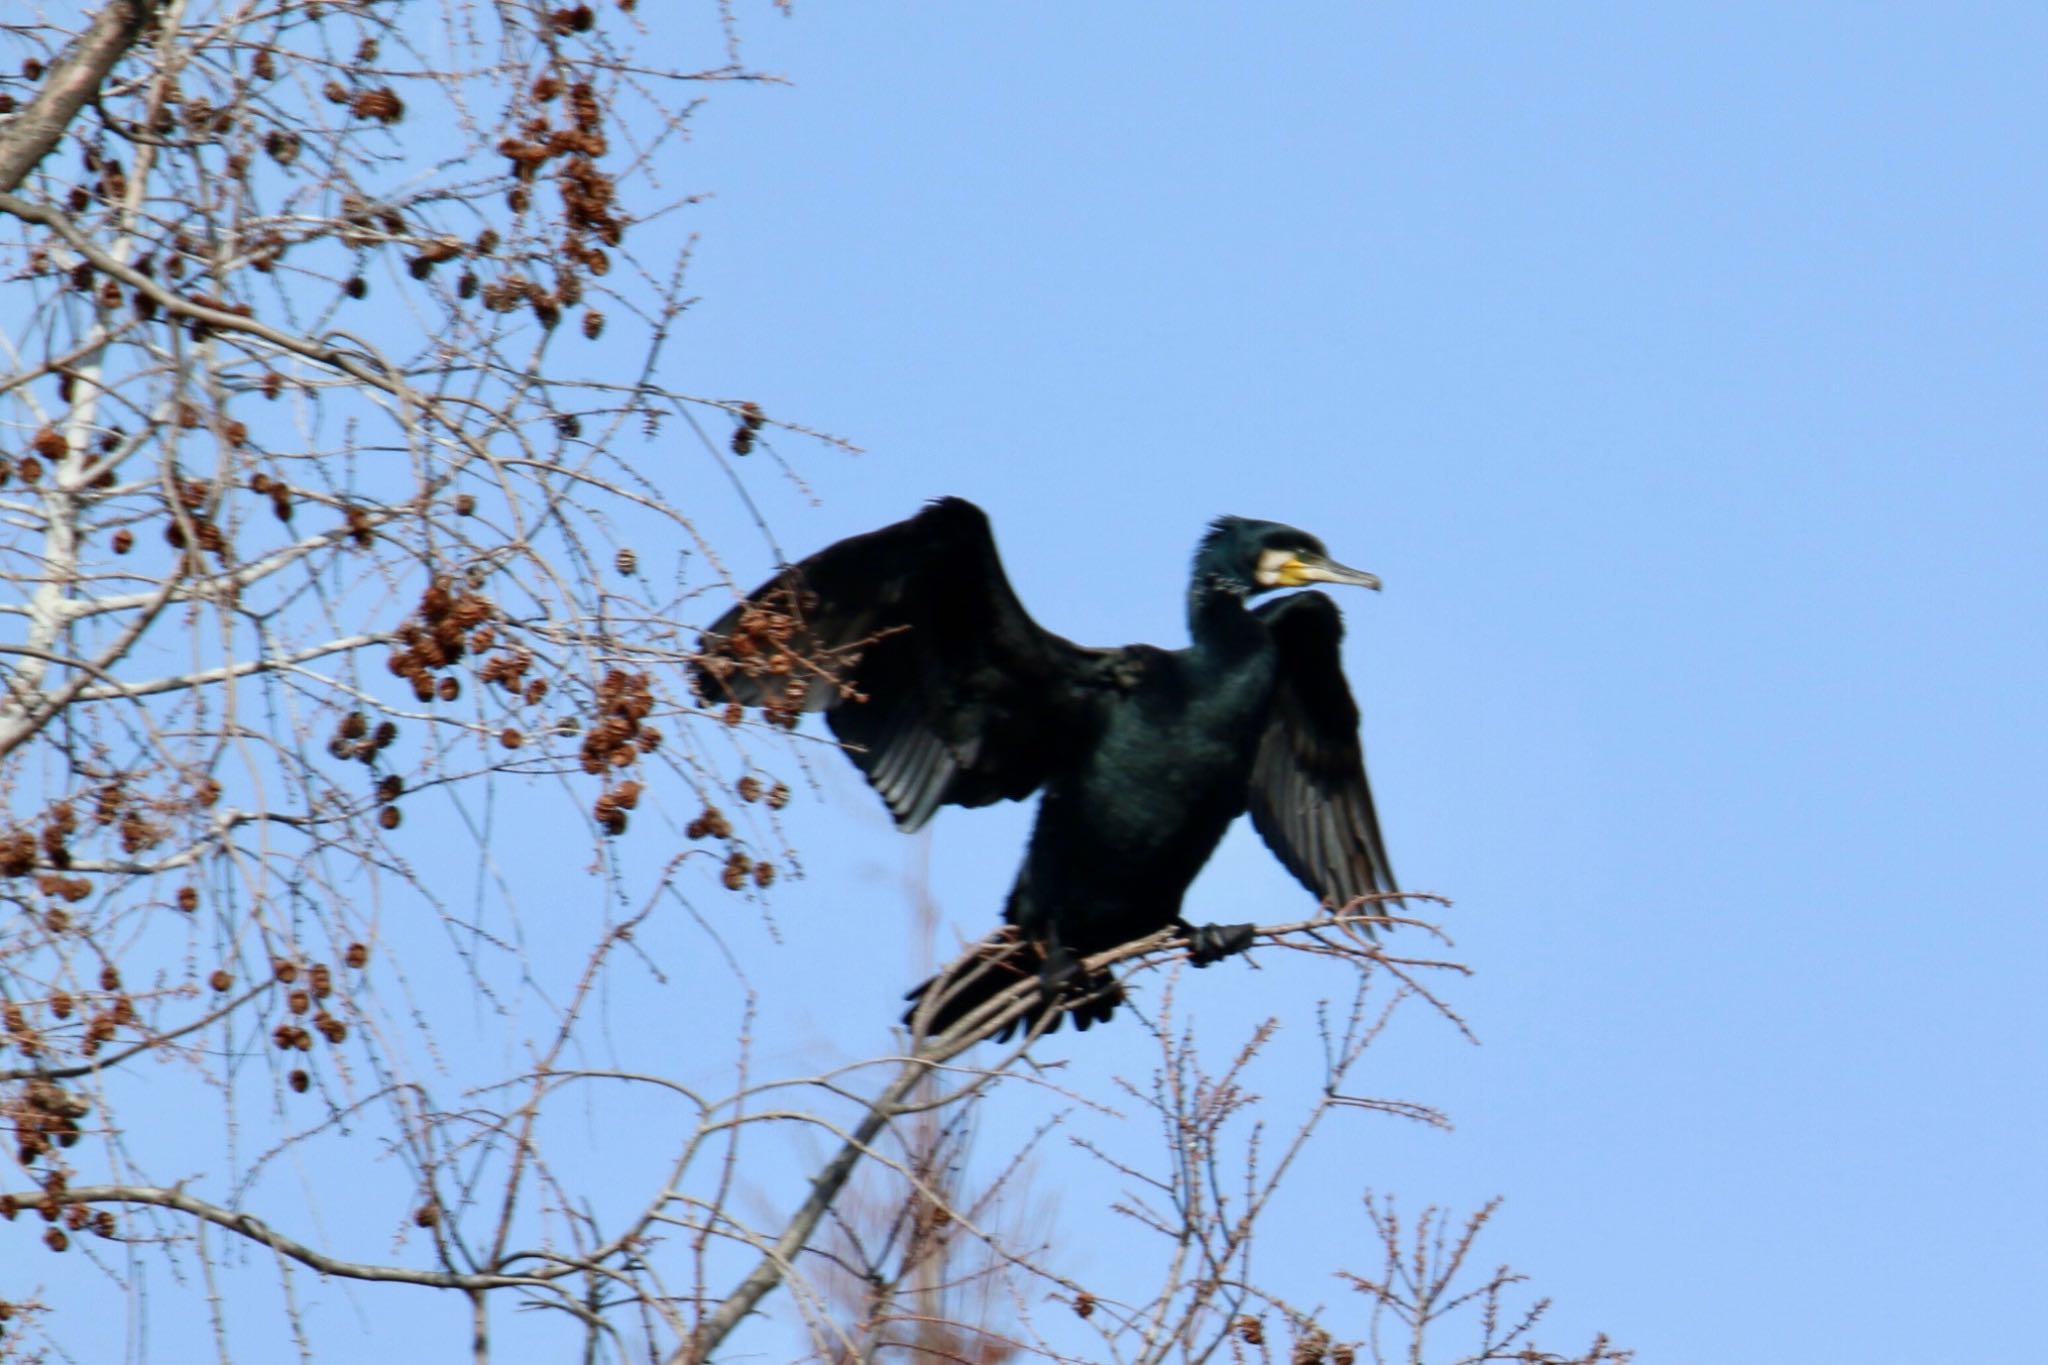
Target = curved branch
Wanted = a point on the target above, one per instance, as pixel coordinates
(256, 1230)
(933, 1049)
(71, 83)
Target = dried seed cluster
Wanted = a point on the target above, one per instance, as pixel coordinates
(763, 647)
(776, 794)
(277, 490)
(752, 419)
(43, 1116)
(436, 636)
(54, 1208)
(354, 738)
(612, 805)
(570, 141)
(621, 733)
(739, 866)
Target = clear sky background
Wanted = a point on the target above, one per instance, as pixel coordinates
(1681, 369)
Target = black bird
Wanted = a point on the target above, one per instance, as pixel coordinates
(945, 692)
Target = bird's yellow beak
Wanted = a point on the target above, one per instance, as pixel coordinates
(1300, 569)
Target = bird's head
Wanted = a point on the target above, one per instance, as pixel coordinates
(1258, 556)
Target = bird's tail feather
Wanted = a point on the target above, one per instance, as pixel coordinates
(995, 965)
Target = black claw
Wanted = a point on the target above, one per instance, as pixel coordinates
(1060, 974)
(1211, 943)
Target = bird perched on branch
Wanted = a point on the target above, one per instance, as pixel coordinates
(944, 691)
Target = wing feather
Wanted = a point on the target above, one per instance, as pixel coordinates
(1310, 800)
(930, 672)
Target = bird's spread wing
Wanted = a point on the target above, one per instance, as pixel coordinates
(927, 667)
(1309, 798)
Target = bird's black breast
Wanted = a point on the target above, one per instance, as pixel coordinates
(1121, 835)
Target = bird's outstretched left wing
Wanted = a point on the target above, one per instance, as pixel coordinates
(910, 639)
(1309, 798)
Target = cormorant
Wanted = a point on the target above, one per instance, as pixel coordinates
(945, 692)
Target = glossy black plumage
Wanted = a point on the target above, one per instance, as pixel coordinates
(945, 692)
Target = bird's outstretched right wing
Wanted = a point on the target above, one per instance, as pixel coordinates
(928, 669)
(1309, 796)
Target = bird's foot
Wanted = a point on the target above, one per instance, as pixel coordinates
(1059, 974)
(1208, 943)
(1063, 985)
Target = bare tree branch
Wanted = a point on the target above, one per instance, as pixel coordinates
(68, 85)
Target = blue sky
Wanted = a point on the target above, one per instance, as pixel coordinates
(1681, 371)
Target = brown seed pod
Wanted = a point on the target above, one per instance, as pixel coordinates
(749, 788)
(381, 104)
(299, 1080)
(1084, 1305)
(60, 1004)
(356, 955)
(764, 874)
(390, 787)
(110, 979)
(448, 689)
(426, 1215)
(355, 725)
(285, 970)
(55, 1239)
(778, 796)
(283, 1035)
(221, 981)
(321, 979)
(737, 866)
(299, 1001)
(389, 817)
(1310, 1347)
(188, 898)
(103, 1223)
(511, 738)
(625, 561)
(124, 541)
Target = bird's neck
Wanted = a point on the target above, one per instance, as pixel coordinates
(1216, 612)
